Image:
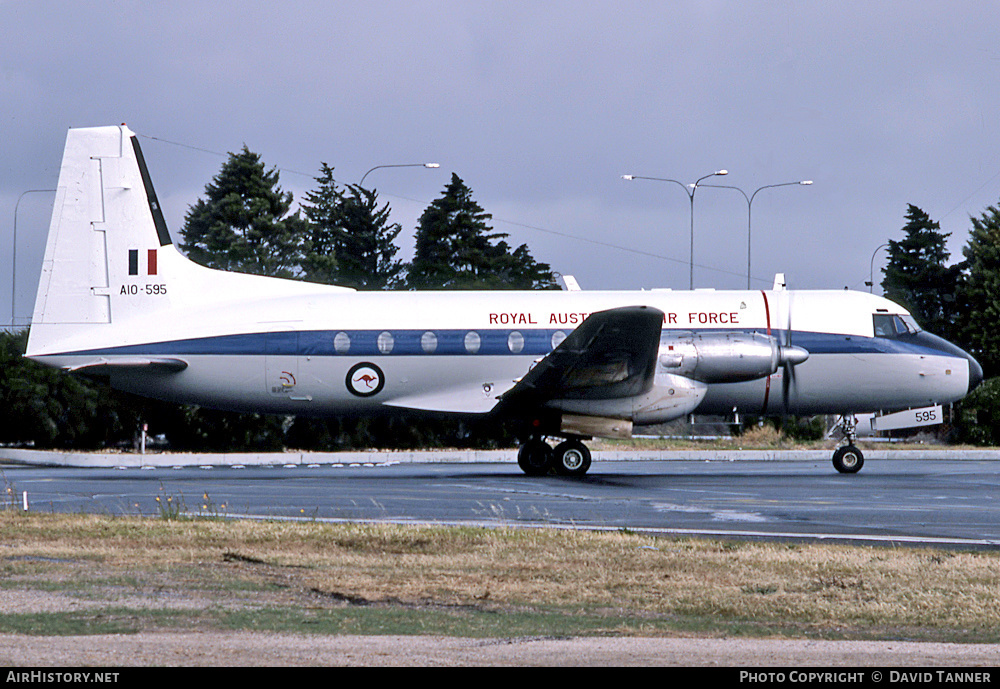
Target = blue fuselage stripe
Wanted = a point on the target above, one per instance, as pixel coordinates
(537, 342)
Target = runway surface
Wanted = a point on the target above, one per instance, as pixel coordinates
(948, 503)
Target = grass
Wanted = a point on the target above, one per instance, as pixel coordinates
(761, 438)
(86, 574)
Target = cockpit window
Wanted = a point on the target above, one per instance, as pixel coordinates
(911, 325)
(894, 325)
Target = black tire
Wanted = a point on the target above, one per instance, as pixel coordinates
(848, 460)
(571, 458)
(535, 457)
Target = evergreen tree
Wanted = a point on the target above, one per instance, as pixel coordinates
(367, 246)
(917, 275)
(322, 210)
(351, 242)
(243, 224)
(457, 249)
(979, 294)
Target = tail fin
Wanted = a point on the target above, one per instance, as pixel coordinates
(103, 252)
(109, 261)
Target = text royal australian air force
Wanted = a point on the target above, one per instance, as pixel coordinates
(574, 318)
(742, 311)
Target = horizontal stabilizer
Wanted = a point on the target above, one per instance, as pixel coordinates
(103, 366)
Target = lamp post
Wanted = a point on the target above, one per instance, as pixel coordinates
(13, 266)
(871, 269)
(749, 200)
(690, 189)
(379, 167)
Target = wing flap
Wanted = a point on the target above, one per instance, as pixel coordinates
(610, 355)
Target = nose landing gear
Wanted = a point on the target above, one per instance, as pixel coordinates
(848, 459)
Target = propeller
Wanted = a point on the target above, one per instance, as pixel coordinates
(789, 356)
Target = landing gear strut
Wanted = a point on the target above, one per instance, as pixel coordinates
(848, 458)
(569, 458)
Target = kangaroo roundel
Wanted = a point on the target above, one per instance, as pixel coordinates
(365, 379)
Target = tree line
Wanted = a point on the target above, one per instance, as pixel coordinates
(339, 235)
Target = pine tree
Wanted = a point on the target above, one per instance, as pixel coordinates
(351, 241)
(244, 224)
(979, 295)
(917, 276)
(323, 211)
(367, 248)
(457, 249)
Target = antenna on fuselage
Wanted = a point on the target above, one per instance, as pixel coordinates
(571, 284)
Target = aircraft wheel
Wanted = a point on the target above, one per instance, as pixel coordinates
(848, 459)
(571, 458)
(535, 457)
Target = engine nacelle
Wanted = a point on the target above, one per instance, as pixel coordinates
(671, 397)
(721, 357)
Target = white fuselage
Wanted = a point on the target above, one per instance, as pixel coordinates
(459, 351)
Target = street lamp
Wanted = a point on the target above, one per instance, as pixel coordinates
(379, 167)
(871, 269)
(749, 200)
(689, 189)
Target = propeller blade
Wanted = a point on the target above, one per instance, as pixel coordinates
(790, 356)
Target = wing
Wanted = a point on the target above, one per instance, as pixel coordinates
(610, 355)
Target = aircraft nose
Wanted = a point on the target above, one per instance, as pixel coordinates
(934, 342)
(975, 373)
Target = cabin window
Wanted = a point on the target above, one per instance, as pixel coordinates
(472, 342)
(557, 338)
(428, 342)
(515, 342)
(342, 343)
(385, 342)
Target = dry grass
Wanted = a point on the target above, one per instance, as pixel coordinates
(616, 578)
(760, 438)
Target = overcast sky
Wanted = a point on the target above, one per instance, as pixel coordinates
(540, 108)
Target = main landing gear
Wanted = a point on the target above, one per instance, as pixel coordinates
(569, 458)
(848, 458)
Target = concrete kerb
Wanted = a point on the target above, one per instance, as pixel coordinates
(384, 458)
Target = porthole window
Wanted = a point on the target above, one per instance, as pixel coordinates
(342, 343)
(515, 342)
(472, 342)
(385, 342)
(428, 342)
(557, 338)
